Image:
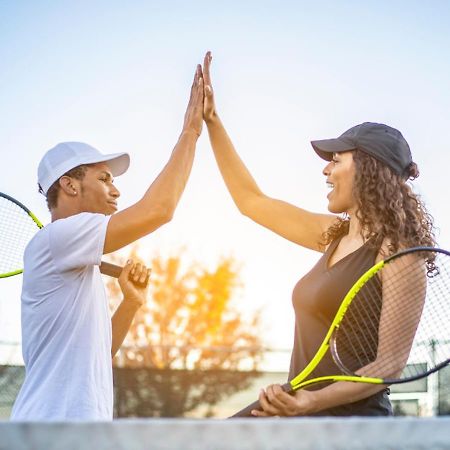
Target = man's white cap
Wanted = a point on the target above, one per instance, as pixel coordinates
(68, 155)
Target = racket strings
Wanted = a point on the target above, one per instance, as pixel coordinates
(371, 316)
(16, 230)
(354, 342)
(397, 325)
(430, 347)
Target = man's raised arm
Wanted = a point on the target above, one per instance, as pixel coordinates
(158, 204)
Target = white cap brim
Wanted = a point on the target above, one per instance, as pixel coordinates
(117, 162)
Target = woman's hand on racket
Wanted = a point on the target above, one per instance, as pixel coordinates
(133, 282)
(209, 106)
(276, 402)
(193, 118)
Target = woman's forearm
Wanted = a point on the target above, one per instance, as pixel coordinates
(340, 393)
(238, 179)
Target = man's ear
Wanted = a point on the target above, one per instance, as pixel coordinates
(70, 186)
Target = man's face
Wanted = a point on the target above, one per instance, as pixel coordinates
(97, 191)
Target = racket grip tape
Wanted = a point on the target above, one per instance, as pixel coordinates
(110, 269)
(246, 412)
(114, 271)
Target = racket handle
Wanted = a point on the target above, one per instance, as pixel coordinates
(114, 271)
(110, 269)
(246, 412)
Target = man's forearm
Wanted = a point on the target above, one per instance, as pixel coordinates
(158, 204)
(167, 188)
(121, 322)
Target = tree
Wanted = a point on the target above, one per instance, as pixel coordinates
(189, 345)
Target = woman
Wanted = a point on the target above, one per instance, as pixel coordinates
(367, 171)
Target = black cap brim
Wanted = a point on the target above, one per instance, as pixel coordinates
(326, 147)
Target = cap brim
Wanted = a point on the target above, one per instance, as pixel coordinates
(326, 147)
(117, 162)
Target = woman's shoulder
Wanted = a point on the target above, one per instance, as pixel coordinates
(387, 248)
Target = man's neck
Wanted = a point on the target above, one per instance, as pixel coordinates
(62, 212)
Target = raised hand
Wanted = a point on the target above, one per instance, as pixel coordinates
(193, 119)
(209, 107)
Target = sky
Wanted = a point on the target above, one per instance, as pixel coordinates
(117, 75)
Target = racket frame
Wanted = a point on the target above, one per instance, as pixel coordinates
(33, 218)
(299, 381)
(106, 268)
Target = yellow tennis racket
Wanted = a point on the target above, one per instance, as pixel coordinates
(393, 326)
(17, 226)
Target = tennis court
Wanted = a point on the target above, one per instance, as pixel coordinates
(243, 434)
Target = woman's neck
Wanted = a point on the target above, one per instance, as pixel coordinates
(355, 230)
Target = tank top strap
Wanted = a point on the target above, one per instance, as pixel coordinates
(332, 247)
(364, 254)
(329, 251)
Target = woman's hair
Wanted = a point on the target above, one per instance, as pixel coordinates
(387, 207)
(52, 194)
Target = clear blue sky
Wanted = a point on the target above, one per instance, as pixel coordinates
(117, 75)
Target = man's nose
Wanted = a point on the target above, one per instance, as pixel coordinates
(115, 192)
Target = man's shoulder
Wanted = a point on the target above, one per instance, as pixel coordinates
(38, 240)
(80, 217)
(77, 220)
(61, 228)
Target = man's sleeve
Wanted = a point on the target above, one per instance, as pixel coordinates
(78, 241)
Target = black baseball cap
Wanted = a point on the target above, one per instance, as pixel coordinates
(383, 142)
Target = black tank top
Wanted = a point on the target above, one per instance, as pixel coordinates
(316, 299)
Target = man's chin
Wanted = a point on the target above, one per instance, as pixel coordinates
(112, 208)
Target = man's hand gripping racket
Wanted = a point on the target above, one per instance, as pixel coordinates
(393, 325)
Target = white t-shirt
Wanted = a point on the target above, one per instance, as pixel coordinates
(66, 325)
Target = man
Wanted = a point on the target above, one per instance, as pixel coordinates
(67, 335)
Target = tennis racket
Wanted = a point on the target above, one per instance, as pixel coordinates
(392, 327)
(17, 226)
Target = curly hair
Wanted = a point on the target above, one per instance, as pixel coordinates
(387, 207)
(52, 194)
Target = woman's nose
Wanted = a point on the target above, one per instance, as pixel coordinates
(327, 169)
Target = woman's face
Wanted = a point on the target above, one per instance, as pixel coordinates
(340, 172)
